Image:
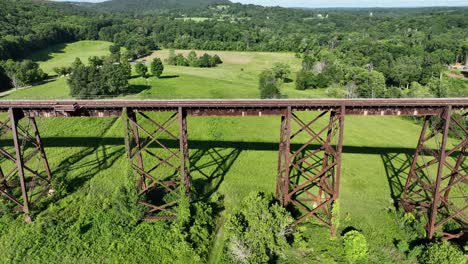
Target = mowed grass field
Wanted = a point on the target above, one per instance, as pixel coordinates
(229, 155)
(237, 77)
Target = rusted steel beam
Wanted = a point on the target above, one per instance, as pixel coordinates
(282, 183)
(184, 151)
(106, 108)
(435, 185)
(311, 174)
(22, 179)
(165, 170)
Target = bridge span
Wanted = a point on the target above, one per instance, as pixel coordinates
(308, 175)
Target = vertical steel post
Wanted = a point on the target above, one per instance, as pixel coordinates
(41, 148)
(184, 153)
(339, 154)
(442, 157)
(414, 162)
(135, 135)
(15, 116)
(282, 183)
(287, 159)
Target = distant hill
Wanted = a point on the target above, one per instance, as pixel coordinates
(148, 5)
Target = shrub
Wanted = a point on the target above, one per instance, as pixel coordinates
(141, 69)
(257, 231)
(268, 85)
(443, 253)
(355, 247)
(157, 67)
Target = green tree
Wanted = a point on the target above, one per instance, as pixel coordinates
(257, 231)
(281, 71)
(181, 60)
(62, 71)
(438, 86)
(157, 67)
(192, 59)
(205, 61)
(217, 59)
(23, 73)
(370, 84)
(355, 247)
(443, 253)
(172, 58)
(141, 69)
(268, 85)
(114, 79)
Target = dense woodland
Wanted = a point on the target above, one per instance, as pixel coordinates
(409, 48)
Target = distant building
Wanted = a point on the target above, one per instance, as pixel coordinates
(456, 66)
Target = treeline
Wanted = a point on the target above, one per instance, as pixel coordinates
(192, 60)
(19, 74)
(378, 37)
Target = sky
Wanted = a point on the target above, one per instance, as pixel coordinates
(343, 3)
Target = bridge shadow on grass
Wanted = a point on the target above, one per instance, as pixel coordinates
(209, 166)
(397, 166)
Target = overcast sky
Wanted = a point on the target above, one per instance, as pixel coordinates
(343, 3)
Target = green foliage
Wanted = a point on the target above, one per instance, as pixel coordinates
(309, 80)
(23, 73)
(106, 79)
(62, 71)
(355, 247)
(336, 214)
(281, 71)
(192, 59)
(205, 61)
(443, 253)
(257, 231)
(268, 85)
(141, 69)
(157, 67)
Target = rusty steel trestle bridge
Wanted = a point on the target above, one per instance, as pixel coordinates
(308, 176)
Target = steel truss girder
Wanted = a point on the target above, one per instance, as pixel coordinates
(309, 177)
(159, 174)
(23, 185)
(438, 175)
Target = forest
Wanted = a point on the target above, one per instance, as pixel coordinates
(217, 49)
(410, 48)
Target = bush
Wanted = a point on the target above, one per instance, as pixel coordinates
(281, 71)
(443, 253)
(157, 67)
(268, 85)
(62, 71)
(355, 247)
(257, 231)
(141, 69)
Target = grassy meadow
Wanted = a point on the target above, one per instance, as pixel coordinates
(89, 221)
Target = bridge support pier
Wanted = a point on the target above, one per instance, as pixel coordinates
(161, 170)
(24, 183)
(437, 179)
(309, 176)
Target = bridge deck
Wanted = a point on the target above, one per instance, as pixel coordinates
(53, 108)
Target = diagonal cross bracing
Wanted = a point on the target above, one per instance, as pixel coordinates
(161, 173)
(29, 177)
(308, 177)
(436, 183)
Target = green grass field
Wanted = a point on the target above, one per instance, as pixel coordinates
(232, 156)
(237, 77)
